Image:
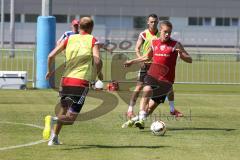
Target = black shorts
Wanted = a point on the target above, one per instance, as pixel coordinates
(160, 88)
(73, 97)
(143, 72)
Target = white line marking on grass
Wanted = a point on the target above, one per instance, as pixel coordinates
(25, 124)
(22, 145)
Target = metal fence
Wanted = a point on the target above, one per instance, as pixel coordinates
(208, 67)
(18, 60)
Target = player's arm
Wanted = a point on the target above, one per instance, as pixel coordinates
(58, 42)
(183, 53)
(143, 58)
(61, 39)
(51, 57)
(97, 61)
(138, 46)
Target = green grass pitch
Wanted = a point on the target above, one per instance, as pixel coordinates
(210, 129)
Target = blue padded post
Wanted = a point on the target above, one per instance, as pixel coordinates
(46, 41)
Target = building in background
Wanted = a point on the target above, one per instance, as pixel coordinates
(196, 23)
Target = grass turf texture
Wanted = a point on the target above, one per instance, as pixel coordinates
(211, 133)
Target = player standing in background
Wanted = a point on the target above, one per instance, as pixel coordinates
(75, 26)
(161, 74)
(142, 46)
(82, 51)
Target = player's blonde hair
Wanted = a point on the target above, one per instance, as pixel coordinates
(86, 23)
(166, 23)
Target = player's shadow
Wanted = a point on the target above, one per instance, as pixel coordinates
(91, 146)
(201, 129)
(195, 129)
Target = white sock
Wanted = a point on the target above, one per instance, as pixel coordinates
(142, 115)
(55, 119)
(136, 118)
(171, 105)
(53, 135)
(130, 108)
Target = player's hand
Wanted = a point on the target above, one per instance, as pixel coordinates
(179, 50)
(48, 75)
(127, 63)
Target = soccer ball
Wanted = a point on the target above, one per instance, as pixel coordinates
(99, 85)
(158, 128)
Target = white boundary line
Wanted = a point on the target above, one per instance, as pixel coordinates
(22, 145)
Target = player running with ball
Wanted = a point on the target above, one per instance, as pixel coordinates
(161, 74)
(142, 45)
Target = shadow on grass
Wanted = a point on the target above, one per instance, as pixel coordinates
(201, 129)
(195, 129)
(93, 146)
